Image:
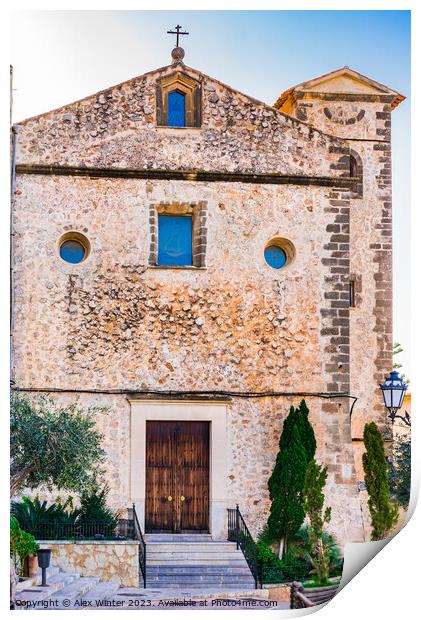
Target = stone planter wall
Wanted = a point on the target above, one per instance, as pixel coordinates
(110, 560)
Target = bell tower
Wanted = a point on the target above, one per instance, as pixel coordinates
(351, 106)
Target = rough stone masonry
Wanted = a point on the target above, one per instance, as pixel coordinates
(312, 172)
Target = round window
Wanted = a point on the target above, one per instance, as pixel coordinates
(279, 252)
(275, 256)
(72, 252)
(74, 248)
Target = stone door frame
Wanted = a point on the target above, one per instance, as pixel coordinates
(206, 411)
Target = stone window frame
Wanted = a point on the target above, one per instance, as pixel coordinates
(198, 212)
(192, 91)
(356, 170)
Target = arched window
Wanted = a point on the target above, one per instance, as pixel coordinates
(176, 109)
(356, 172)
(353, 166)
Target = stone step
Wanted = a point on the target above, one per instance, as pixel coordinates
(102, 591)
(193, 552)
(78, 588)
(51, 570)
(210, 546)
(189, 561)
(151, 538)
(199, 569)
(32, 581)
(202, 586)
(55, 583)
(199, 580)
(198, 576)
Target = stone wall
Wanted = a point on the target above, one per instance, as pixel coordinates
(114, 322)
(108, 560)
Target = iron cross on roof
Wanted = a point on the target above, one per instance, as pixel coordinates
(177, 32)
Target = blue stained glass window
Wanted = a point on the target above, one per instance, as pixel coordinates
(275, 256)
(72, 251)
(175, 240)
(176, 109)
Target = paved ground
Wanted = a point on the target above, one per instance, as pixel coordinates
(133, 598)
(70, 591)
(138, 598)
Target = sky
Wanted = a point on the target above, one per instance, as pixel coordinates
(61, 56)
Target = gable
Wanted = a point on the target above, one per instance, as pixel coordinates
(344, 83)
(120, 128)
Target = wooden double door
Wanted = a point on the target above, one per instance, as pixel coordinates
(177, 476)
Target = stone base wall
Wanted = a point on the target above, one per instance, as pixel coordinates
(108, 560)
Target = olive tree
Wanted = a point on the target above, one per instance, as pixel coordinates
(53, 445)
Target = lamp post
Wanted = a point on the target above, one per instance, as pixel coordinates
(393, 392)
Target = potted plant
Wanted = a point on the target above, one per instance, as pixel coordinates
(26, 549)
(32, 564)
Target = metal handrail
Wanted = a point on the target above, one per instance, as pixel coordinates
(142, 545)
(239, 533)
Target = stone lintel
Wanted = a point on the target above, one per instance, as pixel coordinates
(208, 396)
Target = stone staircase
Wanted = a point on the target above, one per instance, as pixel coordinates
(195, 561)
(64, 589)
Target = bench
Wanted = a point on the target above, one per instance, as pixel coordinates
(310, 597)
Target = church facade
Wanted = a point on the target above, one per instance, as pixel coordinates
(196, 262)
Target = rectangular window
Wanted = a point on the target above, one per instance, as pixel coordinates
(176, 109)
(352, 294)
(175, 240)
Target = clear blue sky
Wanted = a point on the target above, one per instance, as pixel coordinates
(62, 56)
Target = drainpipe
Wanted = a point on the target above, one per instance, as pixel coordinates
(15, 132)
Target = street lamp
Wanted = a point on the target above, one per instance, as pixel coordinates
(393, 392)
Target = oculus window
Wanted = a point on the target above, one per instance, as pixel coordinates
(275, 256)
(279, 252)
(74, 248)
(175, 236)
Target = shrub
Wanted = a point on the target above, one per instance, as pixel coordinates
(302, 542)
(34, 516)
(32, 513)
(61, 521)
(22, 544)
(274, 570)
(296, 564)
(93, 508)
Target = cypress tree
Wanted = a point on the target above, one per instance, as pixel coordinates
(400, 471)
(314, 498)
(306, 431)
(299, 417)
(384, 512)
(297, 446)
